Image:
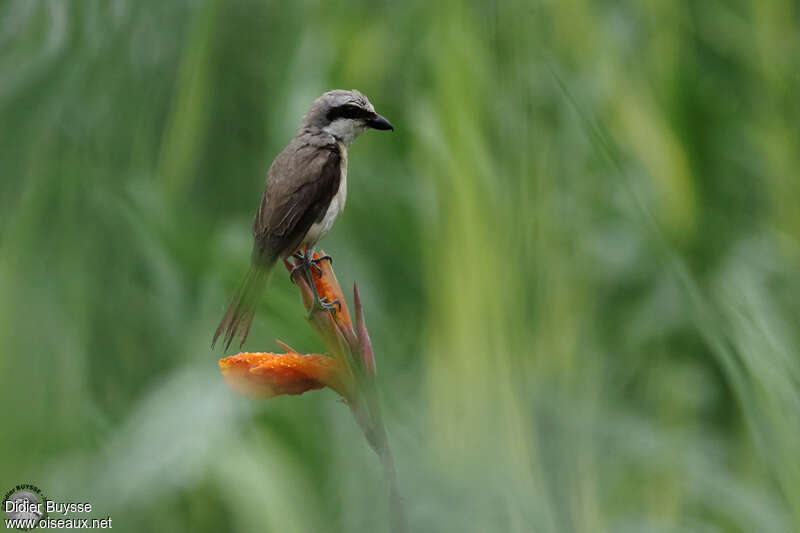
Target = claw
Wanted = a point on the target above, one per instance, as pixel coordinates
(322, 304)
(315, 260)
(322, 258)
(334, 305)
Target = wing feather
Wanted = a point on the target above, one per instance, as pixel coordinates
(300, 186)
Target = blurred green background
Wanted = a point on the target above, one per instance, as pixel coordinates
(578, 252)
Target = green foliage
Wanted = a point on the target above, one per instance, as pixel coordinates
(578, 254)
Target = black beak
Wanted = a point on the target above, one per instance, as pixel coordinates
(379, 123)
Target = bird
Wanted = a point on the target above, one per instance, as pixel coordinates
(306, 189)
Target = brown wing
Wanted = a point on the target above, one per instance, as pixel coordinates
(300, 186)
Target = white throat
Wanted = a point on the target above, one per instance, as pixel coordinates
(345, 130)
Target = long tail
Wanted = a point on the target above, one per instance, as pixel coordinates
(239, 316)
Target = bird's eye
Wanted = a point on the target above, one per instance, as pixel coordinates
(350, 111)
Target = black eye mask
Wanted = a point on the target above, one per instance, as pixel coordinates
(348, 111)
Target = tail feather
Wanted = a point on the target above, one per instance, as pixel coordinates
(239, 316)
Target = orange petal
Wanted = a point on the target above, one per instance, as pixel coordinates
(264, 375)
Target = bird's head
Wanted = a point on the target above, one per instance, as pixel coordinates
(344, 114)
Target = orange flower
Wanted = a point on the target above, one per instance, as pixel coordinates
(265, 374)
(349, 370)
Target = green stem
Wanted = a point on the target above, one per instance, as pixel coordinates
(371, 423)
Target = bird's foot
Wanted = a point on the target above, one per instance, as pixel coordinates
(305, 264)
(297, 267)
(322, 304)
(308, 261)
(322, 258)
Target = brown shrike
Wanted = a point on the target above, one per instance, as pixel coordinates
(306, 190)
